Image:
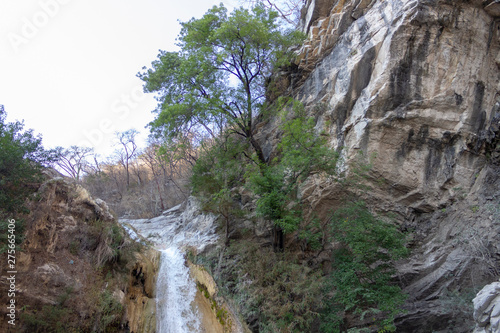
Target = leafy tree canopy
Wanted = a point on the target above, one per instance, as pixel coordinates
(301, 153)
(21, 160)
(217, 79)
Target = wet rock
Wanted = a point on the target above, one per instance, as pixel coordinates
(139, 300)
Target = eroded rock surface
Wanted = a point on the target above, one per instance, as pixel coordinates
(487, 309)
(183, 225)
(66, 266)
(140, 301)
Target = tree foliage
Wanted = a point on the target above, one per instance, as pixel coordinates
(218, 166)
(22, 158)
(363, 267)
(215, 86)
(219, 169)
(301, 152)
(289, 10)
(217, 79)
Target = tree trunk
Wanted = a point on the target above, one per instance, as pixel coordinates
(258, 150)
(278, 239)
(159, 193)
(226, 243)
(128, 176)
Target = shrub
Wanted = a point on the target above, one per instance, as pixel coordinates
(109, 313)
(276, 290)
(48, 320)
(110, 243)
(302, 152)
(363, 266)
(22, 159)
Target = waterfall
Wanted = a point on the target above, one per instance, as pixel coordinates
(171, 233)
(175, 294)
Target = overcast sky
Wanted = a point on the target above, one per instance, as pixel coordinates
(68, 67)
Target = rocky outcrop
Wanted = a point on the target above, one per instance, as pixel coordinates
(183, 225)
(487, 309)
(215, 311)
(140, 301)
(74, 263)
(217, 314)
(415, 84)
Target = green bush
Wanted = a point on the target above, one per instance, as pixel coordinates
(108, 240)
(5, 232)
(109, 313)
(219, 166)
(363, 267)
(48, 320)
(302, 152)
(22, 159)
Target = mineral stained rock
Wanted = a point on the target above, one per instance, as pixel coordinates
(415, 84)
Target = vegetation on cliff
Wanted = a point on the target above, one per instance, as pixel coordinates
(22, 159)
(71, 256)
(216, 82)
(212, 90)
(301, 252)
(212, 101)
(85, 263)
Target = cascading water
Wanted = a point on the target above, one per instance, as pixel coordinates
(175, 289)
(175, 294)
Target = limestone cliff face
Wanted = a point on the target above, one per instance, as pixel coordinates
(417, 84)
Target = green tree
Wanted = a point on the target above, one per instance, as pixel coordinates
(301, 152)
(216, 81)
(289, 10)
(22, 158)
(218, 169)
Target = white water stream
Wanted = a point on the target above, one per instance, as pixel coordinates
(175, 295)
(171, 233)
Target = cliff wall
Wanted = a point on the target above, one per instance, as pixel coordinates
(415, 84)
(77, 270)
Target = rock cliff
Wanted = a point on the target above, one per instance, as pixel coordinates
(77, 268)
(415, 84)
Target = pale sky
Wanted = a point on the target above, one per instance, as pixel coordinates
(68, 67)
